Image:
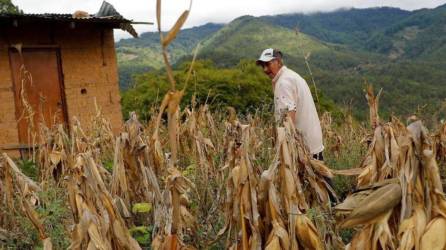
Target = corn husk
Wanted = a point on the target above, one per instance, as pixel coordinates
(433, 237)
(378, 202)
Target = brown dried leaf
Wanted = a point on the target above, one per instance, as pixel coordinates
(307, 233)
(433, 238)
(377, 203)
(175, 29)
(158, 14)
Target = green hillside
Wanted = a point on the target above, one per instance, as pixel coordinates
(412, 80)
(340, 71)
(244, 38)
(351, 27)
(144, 54)
(419, 36)
(394, 32)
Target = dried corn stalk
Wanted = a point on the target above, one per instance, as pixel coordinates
(178, 221)
(296, 168)
(26, 189)
(28, 112)
(400, 198)
(286, 225)
(332, 138)
(373, 104)
(280, 199)
(170, 224)
(200, 150)
(52, 154)
(133, 179)
(102, 137)
(440, 149)
(242, 216)
(98, 224)
(170, 235)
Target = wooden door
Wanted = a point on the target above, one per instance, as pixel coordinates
(39, 94)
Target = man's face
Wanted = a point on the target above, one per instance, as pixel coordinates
(271, 68)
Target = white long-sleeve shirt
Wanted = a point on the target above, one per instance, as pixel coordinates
(291, 93)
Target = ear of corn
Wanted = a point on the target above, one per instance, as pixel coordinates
(307, 233)
(433, 237)
(378, 202)
(412, 228)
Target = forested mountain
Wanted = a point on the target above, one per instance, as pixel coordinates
(400, 51)
(422, 35)
(352, 27)
(143, 54)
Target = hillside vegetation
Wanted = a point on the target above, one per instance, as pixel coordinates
(243, 87)
(400, 51)
(143, 54)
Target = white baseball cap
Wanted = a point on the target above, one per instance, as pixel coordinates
(268, 55)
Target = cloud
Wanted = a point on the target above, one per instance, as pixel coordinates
(204, 11)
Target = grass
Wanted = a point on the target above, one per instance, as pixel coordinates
(55, 216)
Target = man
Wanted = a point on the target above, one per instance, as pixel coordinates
(292, 97)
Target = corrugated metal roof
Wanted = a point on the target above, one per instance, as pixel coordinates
(107, 15)
(66, 17)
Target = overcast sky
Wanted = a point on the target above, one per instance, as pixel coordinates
(204, 11)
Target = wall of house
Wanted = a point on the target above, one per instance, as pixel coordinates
(89, 72)
(8, 124)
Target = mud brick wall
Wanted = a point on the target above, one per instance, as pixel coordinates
(89, 69)
(8, 124)
(90, 73)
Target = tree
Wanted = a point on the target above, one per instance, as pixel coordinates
(6, 6)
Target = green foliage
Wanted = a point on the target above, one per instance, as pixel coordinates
(108, 164)
(25, 237)
(142, 234)
(141, 208)
(127, 70)
(29, 168)
(6, 6)
(243, 87)
(54, 215)
(347, 235)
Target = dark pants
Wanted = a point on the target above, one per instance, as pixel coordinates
(319, 156)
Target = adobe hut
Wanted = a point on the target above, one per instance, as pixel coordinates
(72, 63)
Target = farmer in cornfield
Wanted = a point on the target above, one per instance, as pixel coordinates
(292, 97)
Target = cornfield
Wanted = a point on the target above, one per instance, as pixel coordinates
(217, 180)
